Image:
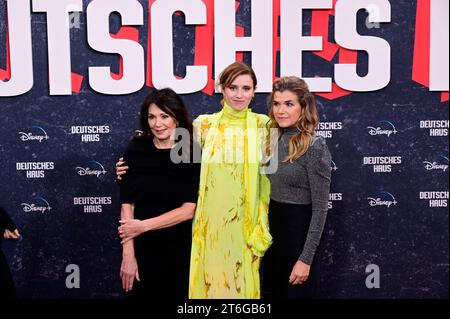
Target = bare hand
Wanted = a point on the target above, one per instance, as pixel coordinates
(120, 170)
(128, 271)
(130, 228)
(11, 234)
(299, 273)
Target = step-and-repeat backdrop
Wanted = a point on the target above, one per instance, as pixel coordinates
(73, 74)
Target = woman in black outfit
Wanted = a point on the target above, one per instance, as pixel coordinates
(158, 199)
(8, 230)
(299, 194)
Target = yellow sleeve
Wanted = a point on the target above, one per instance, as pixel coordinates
(201, 125)
(263, 121)
(197, 130)
(260, 238)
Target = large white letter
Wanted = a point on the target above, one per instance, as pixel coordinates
(439, 51)
(162, 46)
(19, 25)
(293, 43)
(378, 50)
(58, 34)
(132, 52)
(260, 42)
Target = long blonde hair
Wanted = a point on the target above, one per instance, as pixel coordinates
(306, 124)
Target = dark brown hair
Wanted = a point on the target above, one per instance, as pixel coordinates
(169, 102)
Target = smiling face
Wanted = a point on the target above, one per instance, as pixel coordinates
(286, 108)
(161, 124)
(240, 92)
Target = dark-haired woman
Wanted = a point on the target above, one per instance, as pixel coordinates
(299, 194)
(158, 196)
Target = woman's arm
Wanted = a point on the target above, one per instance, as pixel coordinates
(131, 228)
(126, 213)
(129, 268)
(260, 238)
(319, 176)
(6, 221)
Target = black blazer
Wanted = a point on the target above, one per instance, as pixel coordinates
(7, 289)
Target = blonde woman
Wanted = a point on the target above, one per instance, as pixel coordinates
(299, 193)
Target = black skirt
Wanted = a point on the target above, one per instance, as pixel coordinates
(289, 224)
(163, 258)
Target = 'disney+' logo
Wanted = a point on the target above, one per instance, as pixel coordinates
(441, 163)
(382, 199)
(38, 134)
(40, 205)
(91, 168)
(384, 128)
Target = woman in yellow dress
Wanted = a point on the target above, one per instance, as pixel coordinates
(230, 231)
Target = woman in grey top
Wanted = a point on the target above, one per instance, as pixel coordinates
(299, 193)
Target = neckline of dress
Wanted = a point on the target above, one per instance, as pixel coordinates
(161, 149)
(231, 113)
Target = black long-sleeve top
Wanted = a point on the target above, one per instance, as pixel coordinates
(5, 223)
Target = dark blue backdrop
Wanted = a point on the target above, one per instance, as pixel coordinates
(408, 240)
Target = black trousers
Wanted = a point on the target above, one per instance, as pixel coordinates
(7, 288)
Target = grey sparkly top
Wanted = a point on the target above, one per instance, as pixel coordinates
(304, 181)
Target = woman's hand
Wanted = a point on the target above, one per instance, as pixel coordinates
(128, 271)
(130, 228)
(11, 234)
(299, 273)
(120, 170)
